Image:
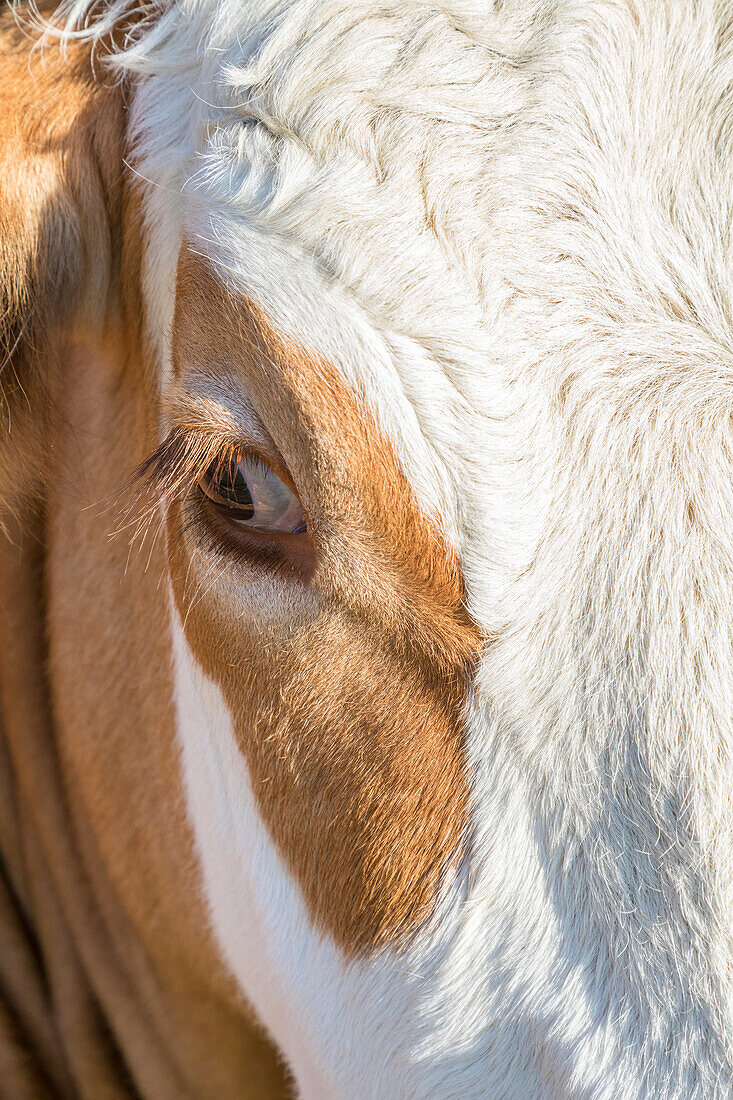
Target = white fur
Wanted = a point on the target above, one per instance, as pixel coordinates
(404, 1025)
(510, 225)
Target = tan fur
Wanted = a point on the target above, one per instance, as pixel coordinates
(349, 711)
(110, 985)
(60, 200)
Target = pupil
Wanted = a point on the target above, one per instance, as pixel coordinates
(232, 487)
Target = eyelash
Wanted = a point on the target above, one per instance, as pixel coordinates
(172, 474)
(181, 459)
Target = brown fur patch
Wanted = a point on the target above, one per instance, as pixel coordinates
(347, 705)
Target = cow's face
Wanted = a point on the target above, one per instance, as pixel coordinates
(441, 330)
(343, 436)
(427, 718)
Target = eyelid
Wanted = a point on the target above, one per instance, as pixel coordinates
(217, 406)
(232, 419)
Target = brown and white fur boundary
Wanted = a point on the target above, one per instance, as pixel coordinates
(448, 799)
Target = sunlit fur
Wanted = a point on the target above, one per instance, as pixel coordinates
(509, 224)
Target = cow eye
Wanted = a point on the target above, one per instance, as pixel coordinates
(252, 494)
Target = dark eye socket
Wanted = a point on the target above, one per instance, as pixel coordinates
(252, 494)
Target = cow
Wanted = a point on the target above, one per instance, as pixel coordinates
(366, 465)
